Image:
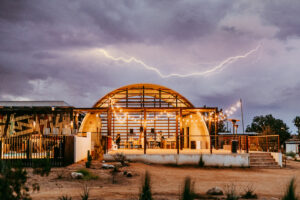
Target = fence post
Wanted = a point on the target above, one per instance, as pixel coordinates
(210, 145)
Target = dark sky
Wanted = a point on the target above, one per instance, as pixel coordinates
(54, 50)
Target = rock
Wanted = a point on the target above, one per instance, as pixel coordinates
(107, 166)
(289, 158)
(76, 175)
(215, 191)
(125, 173)
(129, 174)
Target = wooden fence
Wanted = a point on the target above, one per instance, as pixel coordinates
(28, 149)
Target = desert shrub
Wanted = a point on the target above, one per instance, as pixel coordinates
(201, 161)
(145, 193)
(188, 190)
(114, 173)
(85, 194)
(42, 167)
(120, 157)
(13, 182)
(65, 198)
(89, 160)
(290, 193)
(230, 192)
(291, 154)
(249, 193)
(87, 175)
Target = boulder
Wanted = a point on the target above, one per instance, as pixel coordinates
(129, 174)
(215, 191)
(107, 166)
(76, 175)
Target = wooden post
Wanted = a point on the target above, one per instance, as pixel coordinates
(267, 143)
(216, 130)
(127, 129)
(180, 127)
(177, 139)
(279, 148)
(247, 144)
(145, 131)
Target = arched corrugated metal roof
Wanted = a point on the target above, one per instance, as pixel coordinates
(158, 92)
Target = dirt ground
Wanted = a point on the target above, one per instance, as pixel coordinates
(166, 181)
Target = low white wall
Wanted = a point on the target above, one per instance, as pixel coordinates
(81, 146)
(222, 160)
(278, 157)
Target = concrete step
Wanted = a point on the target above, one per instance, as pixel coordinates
(262, 160)
(266, 166)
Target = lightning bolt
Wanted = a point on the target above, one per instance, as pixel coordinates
(218, 67)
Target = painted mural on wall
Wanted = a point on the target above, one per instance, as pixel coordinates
(24, 124)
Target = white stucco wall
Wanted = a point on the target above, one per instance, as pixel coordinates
(81, 146)
(222, 160)
(292, 148)
(278, 157)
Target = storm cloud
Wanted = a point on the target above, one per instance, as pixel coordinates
(49, 50)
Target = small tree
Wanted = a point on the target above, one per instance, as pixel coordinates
(297, 124)
(188, 190)
(201, 162)
(146, 189)
(290, 193)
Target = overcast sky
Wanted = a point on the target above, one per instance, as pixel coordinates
(53, 50)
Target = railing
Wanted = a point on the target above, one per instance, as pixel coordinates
(225, 143)
(31, 148)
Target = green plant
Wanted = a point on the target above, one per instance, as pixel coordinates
(188, 190)
(146, 188)
(87, 175)
(230, 192)
(290, 193)
(201, 163)
(249, 193)
(42, 167)
(291, 154)
(89, 160)
(13, 182)
(65, 198)
(85, 194)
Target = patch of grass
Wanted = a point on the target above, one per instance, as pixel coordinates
(290, 193)
(87, 175)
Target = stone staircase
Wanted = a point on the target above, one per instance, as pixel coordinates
(263, 160)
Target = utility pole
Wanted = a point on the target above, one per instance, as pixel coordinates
(242, 115)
